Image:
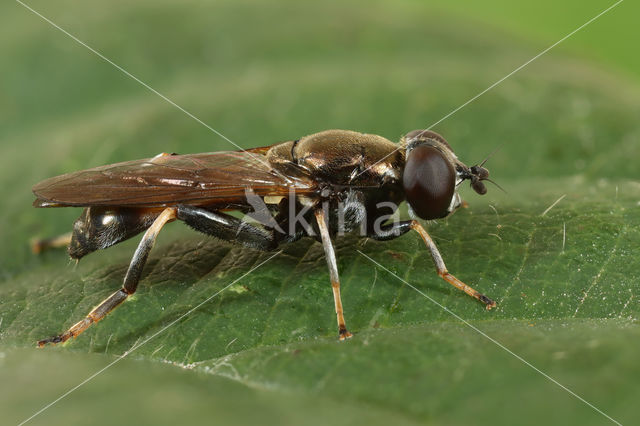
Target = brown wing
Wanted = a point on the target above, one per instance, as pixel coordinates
(211, 178)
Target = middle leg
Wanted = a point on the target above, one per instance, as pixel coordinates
(333, 271)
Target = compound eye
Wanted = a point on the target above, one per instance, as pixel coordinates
(429, 182)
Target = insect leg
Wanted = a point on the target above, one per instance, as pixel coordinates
(391, 231)
(227, 227)
(40, 245)
(333, 271)
(129, 285)
(442, 269)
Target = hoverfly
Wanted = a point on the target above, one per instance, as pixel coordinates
(319, 184)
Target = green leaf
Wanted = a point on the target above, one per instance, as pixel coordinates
(566, 279)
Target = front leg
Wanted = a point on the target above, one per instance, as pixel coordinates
(397, 229)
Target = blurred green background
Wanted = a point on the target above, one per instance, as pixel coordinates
(567, 282)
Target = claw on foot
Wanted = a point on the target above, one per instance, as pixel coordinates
(488, 302)
(53, 340)
(344, 334)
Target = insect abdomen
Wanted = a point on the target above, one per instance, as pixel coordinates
(101, 227)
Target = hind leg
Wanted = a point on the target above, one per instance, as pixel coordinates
(129, 285)
(38, 245)
(227, 228)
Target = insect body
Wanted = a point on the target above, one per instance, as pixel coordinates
(320, 185)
